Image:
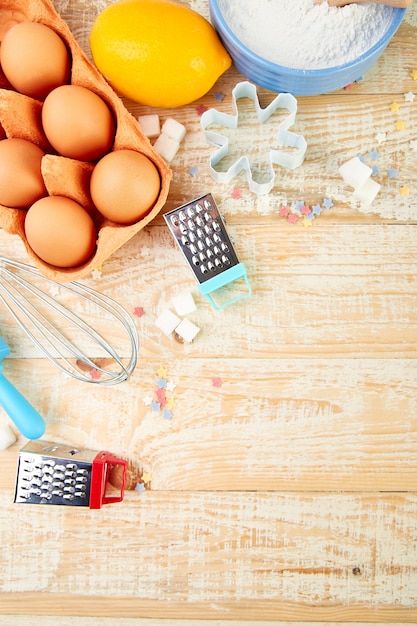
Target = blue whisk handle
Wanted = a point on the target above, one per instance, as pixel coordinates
(25, 417)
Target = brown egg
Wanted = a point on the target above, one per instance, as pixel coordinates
(34, 59)
(124, 186)
(21, 181)
(78, 123)
(60, 231)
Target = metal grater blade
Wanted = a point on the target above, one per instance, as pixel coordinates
(201, 235)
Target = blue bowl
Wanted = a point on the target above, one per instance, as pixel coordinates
(283, 79)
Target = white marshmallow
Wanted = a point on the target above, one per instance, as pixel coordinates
(150, 125)
(7, 437)
(167, 321)
(355, 173)
(367, 193)
(174, 129)
(166, 147)
(184, 303)
(187, 330)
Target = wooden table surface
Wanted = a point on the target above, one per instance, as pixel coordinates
(284, 486)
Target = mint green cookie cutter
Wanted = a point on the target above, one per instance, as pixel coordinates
(276, 157)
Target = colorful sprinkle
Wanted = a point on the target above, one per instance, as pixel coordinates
(219, 96)
(395, 107)
(167, 414)
(328, 203)
(392, 172)
(405, 190)
(317, 209)
(140, 487)
(138, 311)
(95, 374)
(201, 109)
(305, 210)
(306, 222)
(193, 171)
(284, 211)
(374, 155)
(96, 274)
(381, 137)
(400, 124)
(162, 372)
(293, 218)
(236, 193)
(414, 74)
(146, 477)
(409, 96)
(216, 381)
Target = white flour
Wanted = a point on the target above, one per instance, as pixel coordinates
(301, 35)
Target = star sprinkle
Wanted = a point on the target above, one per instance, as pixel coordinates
(392, 172)
(405, 190)
(409, 96)
(201, 109)
(140, 487)
(394, 106)
(381, 137)
(216, 381)
(147, 400)
(328, 203)
(193, 171)
(236, 193)
(374, 155)
(317, 209)
(219, 96)
(167, 414)
(96, 274)
(162, 372)
(306, 222)
(146, 477)
(138, 311)
(170, 385)
(400, 124)
(284, 211)
(95, 374)
(375, 170)
(305, 210)
(160, 397)
(299, 205)
(293, 218)
(161, 383)
(414, 74)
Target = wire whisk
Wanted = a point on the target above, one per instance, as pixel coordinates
(37, 311)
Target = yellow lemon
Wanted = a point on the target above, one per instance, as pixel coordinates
(157, 52)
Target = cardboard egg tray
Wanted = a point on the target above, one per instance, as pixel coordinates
(20, 117)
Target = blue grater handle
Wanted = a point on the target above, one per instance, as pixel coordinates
(20, 411)
(225, 278)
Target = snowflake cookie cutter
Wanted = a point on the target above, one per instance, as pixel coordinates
(276, 157)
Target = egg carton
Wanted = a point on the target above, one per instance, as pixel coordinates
(20, 117)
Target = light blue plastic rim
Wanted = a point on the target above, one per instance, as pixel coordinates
(225, 278)
(265, 72)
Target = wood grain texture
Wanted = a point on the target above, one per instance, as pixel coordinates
(283, 489)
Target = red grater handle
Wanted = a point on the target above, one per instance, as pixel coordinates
(99, 479)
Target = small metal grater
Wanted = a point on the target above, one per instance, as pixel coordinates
(200, 232)
(56, 474)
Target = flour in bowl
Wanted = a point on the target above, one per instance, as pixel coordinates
(301, 35)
